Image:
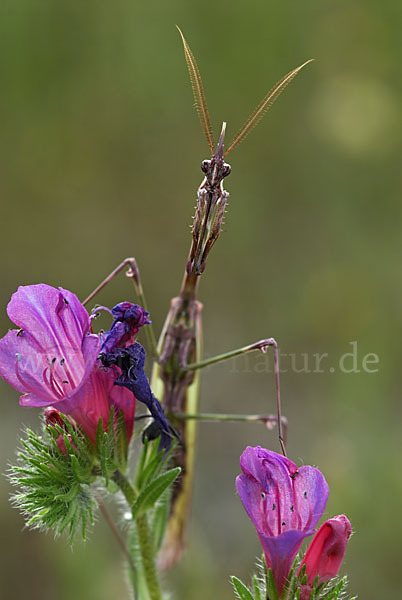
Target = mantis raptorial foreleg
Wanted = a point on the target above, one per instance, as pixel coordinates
(134, 274)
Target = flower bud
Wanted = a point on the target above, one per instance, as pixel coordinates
(325, 554)
(52, 418)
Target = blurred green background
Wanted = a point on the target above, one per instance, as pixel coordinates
(99, 159)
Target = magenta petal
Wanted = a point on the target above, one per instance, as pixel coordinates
(73, 373)
(94, 398)
(11, 348)
(311, 494)
(22, 365)
(327, 549)
(45, 313)
(124, 400)
(53, 358)
(78, 314)
(250, 492)
(85, 361)
(252, 462)
(88, 405)
(120, 397)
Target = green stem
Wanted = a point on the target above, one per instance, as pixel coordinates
(115, 532)
(148, 557)
(125, 486)
(144, 538)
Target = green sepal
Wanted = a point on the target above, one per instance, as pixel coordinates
(264, 585)
(334, 591)
(54, 485)
(303, 575)
(257, 588)
(111, 445)
(69, 495)
(150, 463)
(290, 587)
(99, 436)
(272, 592)
(82, 473)
(104, 457)
(153, 490)
(242, 591)
(160, 519)
(121, 441)
(142, 462)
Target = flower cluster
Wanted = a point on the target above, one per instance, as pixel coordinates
(56, 361)
(285, 504)
(53, 359)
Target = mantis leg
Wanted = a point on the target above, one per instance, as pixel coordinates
(262, 345)
(134, 274)
(268, 420)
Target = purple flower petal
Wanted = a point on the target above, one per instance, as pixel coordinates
(13, 346)
(280, 552)
(53, 359)
(47, 314)
(283, 502)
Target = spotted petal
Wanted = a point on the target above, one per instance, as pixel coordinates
(284, 503)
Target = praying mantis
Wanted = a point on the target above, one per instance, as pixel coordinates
(177, 356)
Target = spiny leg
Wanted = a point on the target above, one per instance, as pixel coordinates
(262, 345)
(134, 274)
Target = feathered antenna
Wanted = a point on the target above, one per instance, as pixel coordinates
(264, 105)
(198, 92)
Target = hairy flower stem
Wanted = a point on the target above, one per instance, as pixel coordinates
(144, 538)
(125, 486)
(148, 557)
(116, 534)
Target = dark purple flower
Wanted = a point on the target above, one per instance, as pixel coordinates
(284, 503)
(128, 318)
(130, 363)
(327, 549)
(53, 358)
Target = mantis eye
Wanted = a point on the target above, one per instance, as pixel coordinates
(204, 165)
(226, 170)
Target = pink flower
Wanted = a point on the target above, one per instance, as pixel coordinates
(284, 503)
(327, 550)
(53, 359)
